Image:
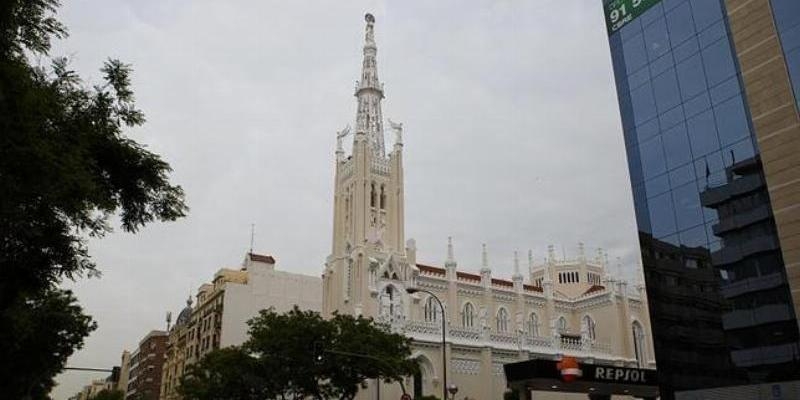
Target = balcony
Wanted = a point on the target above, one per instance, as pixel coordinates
(431, 331)
(719, 193)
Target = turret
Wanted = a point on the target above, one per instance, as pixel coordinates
(486, 272)
(517, 276)
(450, 264)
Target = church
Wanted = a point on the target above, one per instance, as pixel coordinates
(559, 307)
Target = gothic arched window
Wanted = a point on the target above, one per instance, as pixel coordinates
(383, 197)
(533, 325)
(502, 320)
(562, 325)
(589, 327)
(431, 310)
(468, 315)
(390, 302)
(373, 195)
(638, 343)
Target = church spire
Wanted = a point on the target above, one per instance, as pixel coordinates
(369, 92)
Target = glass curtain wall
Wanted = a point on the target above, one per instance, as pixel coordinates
(720, 306)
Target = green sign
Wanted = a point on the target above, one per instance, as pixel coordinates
(620, 12)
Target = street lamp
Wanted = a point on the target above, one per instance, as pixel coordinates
(444, 346)
(453, 389)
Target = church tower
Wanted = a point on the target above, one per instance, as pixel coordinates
(368, 238)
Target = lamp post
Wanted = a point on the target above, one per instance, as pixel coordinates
(444, 346)
(453, 389)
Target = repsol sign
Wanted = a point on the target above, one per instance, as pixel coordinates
(620, 375)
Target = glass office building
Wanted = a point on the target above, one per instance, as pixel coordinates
(708, 93)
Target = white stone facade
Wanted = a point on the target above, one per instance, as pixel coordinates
(223, 307)
(564, 307)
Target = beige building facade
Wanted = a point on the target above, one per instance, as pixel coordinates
(563, 307)
(218, 316)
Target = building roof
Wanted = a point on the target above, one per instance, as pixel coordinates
(261, 258)
(466, 275)
(594, 288)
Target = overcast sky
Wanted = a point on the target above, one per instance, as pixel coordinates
(512, 137)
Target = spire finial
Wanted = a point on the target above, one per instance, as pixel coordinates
(530, 259)
(369, 40)
(450, 255)
(516, 263)
(369, 91)
(581, 251)
(484, 257)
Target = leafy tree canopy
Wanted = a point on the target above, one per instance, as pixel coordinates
(39, 334)
(109, 395)
(65, 168)
(299, 355)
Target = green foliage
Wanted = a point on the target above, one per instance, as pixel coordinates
(279, 360)
(65, 168)
(109, 395)
(39, 334)
(227, 374)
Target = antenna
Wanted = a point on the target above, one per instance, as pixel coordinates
(252, 236)
(169, 319)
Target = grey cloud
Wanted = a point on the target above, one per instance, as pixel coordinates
(512, 136)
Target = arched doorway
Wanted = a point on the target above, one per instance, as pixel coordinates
(423, 378)
(418, 385)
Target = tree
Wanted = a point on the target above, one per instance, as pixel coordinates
(227, 374)
(65, 168)
(106, 394)
(299, 355)
(47, 328)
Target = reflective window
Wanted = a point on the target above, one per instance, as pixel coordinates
(793, 64)
(725, 90)
(731, 121)
(739, 151)
(656, 39)
(702, 134)
(652, 14)
(665, 89)
(697, 105)
(681, 175)
(647, 130)
(671, 118)
(687, 206)
(638, 78)
(686, 49)
(712, 34)
(657, 185)
(718, 61)
(680, 23)
(643, 102)
(790, 39)
(662, 64)
(689, 143)
(706, 12)
(652, 155)
(676, 147)
(662, 217)
(694, 237)
(691, 76)
(635, 55)
(787, 13)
